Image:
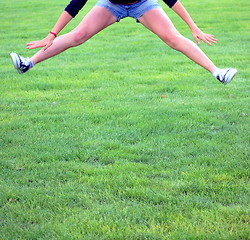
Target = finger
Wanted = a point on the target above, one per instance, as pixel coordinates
(206, 38)
(210, 35)
(206, 41)
(46, 47)
(209, 40)
(34, 46)
(30, 43)
(197, 40)
(212, 40)
(30, 47)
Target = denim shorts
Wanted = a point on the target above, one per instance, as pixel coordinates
(134, 10)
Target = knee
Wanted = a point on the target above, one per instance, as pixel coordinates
(173, 40)
(78, 37)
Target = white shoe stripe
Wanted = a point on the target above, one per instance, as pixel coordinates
(230, 75)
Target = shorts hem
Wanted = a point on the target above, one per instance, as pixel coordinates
(113, 11)
(135, 10)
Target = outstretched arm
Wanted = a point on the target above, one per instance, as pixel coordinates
(47, 41)
(196, 32)
(70, 12)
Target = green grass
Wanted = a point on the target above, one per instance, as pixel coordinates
(90, 150)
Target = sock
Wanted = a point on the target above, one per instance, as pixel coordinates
(31, 63)
(216, 72)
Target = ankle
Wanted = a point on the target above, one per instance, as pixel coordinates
(215, 72)
(33, 61)
(32, 64)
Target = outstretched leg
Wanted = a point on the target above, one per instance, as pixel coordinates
(157, 21)
(95, 21)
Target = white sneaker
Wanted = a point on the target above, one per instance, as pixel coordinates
(225, 76)
(20, 63)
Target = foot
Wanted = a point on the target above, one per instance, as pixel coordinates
(20, 63)
(225, 76)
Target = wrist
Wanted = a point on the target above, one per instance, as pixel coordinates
(54, 34)
(193, 28)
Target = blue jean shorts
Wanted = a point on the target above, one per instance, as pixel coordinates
(134, 10)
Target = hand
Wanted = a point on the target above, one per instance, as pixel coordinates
(44, 43)
(206, 38)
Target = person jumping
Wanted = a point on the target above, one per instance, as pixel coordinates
(106, 12)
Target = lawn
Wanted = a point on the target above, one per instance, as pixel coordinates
(123, 137)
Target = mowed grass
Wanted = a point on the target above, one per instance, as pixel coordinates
(122, 137)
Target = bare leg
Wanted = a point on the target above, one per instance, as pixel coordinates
(159, 23)
(95, 21)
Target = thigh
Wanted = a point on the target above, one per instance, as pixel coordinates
(96, 20)
(157, 21)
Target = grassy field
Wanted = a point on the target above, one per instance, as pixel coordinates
(89, 148)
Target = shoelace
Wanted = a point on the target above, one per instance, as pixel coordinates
(222, 75)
